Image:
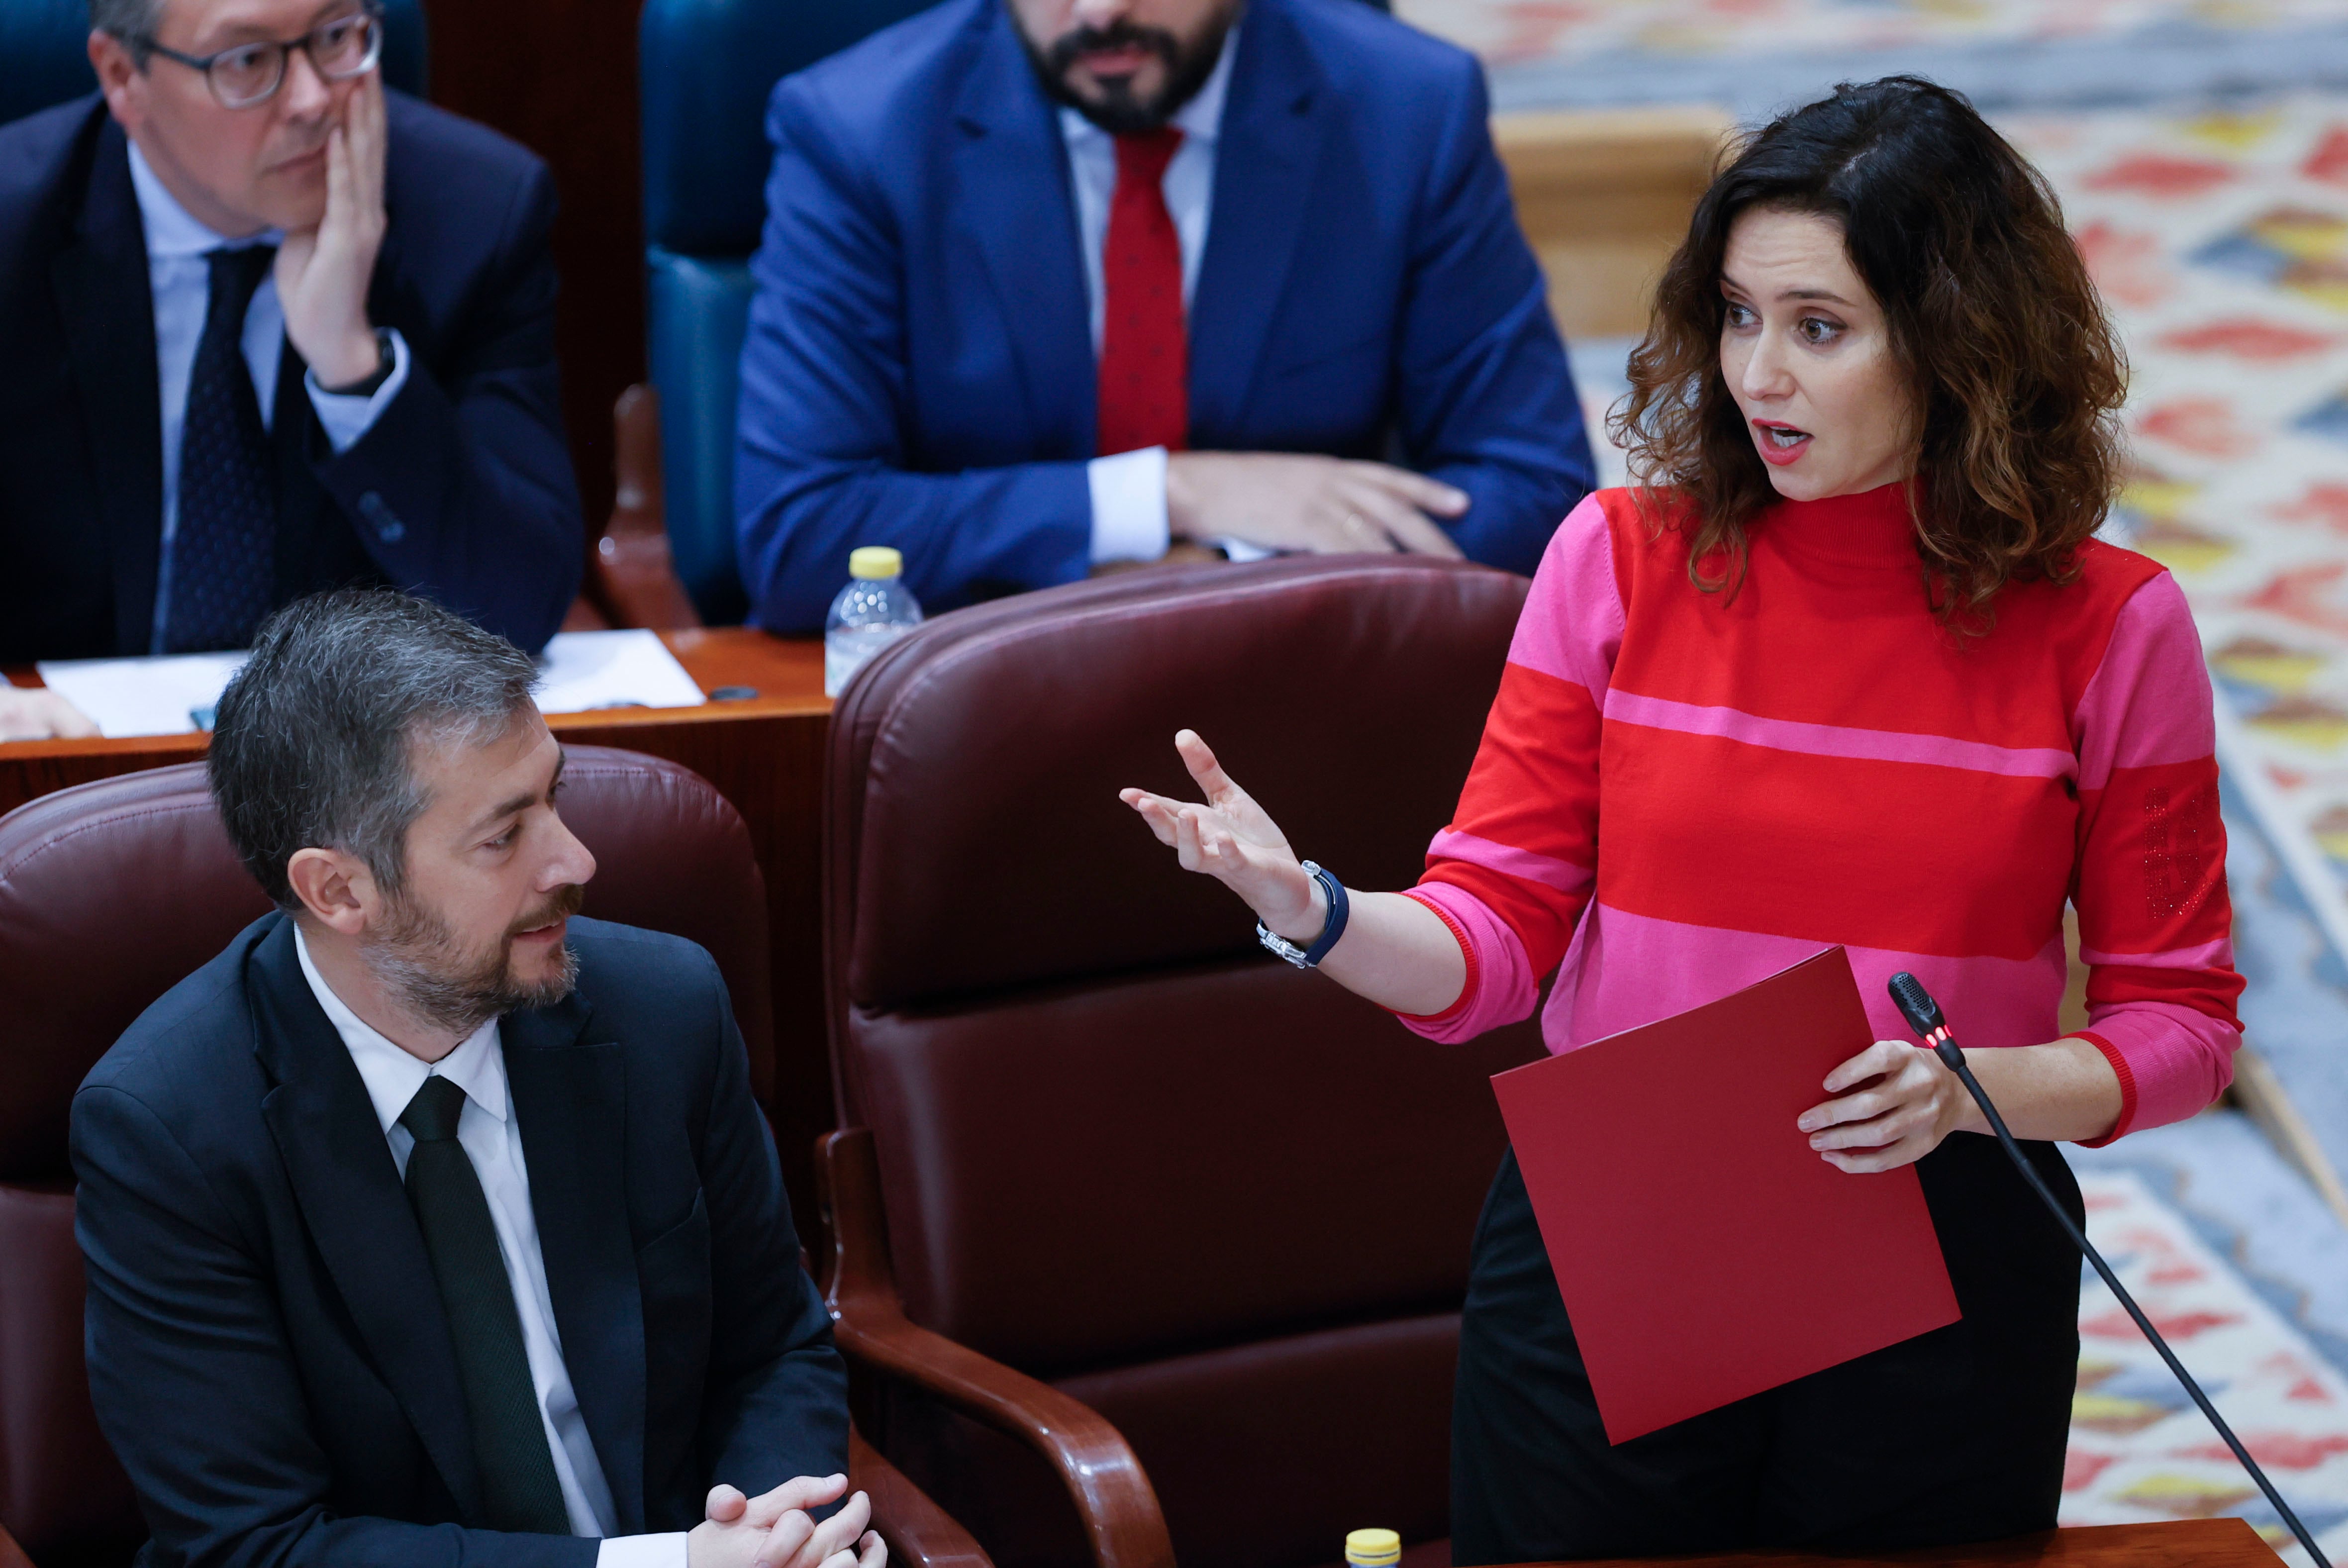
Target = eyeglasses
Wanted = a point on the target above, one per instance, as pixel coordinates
(248, 75)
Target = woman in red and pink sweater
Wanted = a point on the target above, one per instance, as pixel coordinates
(1848, 667)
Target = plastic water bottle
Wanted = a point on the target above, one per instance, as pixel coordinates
(873, 611)
(1372, 1549)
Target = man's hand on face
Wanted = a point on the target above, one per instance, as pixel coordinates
(37, 713)
(322, 272)
(1324, 505)
(775, 1530)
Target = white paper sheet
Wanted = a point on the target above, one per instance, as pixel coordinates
(143, 696)
(583, 670)
(172, 696)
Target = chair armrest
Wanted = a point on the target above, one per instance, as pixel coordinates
(11, 1554)
(1113, 1496)
(633, 569)
(918, 1533)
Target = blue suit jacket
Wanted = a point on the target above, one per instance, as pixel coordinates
(267, 1350)
(919, 367)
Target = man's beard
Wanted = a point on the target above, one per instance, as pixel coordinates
(1119, 112)
(422, 964)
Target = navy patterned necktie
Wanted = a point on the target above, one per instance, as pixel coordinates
(223, 554)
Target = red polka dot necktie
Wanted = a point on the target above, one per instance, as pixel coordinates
(1145, 396)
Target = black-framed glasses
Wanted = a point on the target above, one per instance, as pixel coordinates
(246, 76)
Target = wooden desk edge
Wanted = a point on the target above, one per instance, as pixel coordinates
(715, 657)
(2171, 1544)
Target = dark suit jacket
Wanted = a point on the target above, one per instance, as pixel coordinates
(267, 1349)
(919, 367)
(461, 490)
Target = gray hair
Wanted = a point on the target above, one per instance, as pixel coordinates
(134, 22)
(313, 740)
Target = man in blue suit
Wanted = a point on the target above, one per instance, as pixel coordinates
(1048, 284)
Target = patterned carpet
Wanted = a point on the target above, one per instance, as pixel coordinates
(2195, 1218)
(1757, 55)
(2220, 242)
(1512, 32)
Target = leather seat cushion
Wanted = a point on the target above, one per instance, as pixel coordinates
(1080, 1179)
(1251, 1448)
(62, 1494)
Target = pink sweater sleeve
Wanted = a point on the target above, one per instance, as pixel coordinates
(2155, 922)
(1513, 872)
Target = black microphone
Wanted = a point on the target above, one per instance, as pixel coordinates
(1923, 1015)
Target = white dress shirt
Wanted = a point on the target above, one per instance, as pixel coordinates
(492, 1139)
(180, 280)
(1129, 489)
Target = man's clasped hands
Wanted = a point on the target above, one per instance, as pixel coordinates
(777, 1530)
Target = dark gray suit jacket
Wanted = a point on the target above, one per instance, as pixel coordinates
(461, 490)
(267, 1349)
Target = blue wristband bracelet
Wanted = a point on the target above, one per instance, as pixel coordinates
(1310, 957)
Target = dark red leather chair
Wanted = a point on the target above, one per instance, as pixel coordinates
(111, 892)
(1114, 1183)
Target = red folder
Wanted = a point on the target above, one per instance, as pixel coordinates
(1704, 1251)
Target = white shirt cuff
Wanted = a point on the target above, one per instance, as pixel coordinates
(1128, 505)
(666, 1551)
(346, 417)
(1240, 550)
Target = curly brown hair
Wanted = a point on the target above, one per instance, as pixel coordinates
(1992, 318)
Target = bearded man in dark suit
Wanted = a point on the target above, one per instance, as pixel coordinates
(431, 1221)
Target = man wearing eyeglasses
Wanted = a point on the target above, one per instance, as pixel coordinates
(265, 328)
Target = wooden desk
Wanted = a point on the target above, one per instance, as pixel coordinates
(2200, 1543)
(765, 754)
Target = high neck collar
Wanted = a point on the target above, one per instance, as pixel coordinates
(1871, 528)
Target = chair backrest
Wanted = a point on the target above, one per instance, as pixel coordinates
(708, 67)
(1122, 1148)
(109, 894)
(44, 43)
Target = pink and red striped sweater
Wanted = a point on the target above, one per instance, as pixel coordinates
(1679, 793)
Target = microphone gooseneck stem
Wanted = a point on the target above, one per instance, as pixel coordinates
(1936, 1037)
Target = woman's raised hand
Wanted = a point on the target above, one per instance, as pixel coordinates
(1232, 839)
(1395, 950)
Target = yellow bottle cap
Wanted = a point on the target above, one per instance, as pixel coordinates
(875, 560)
(1374, 1548)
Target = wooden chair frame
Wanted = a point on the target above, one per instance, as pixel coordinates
(1113, 1497)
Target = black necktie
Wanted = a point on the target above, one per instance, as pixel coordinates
(223, 554)
(518, 1484)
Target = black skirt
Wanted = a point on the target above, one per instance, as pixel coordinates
(1953, 1436)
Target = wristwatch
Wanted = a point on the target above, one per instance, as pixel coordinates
(386, 361)
(1310, 957)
